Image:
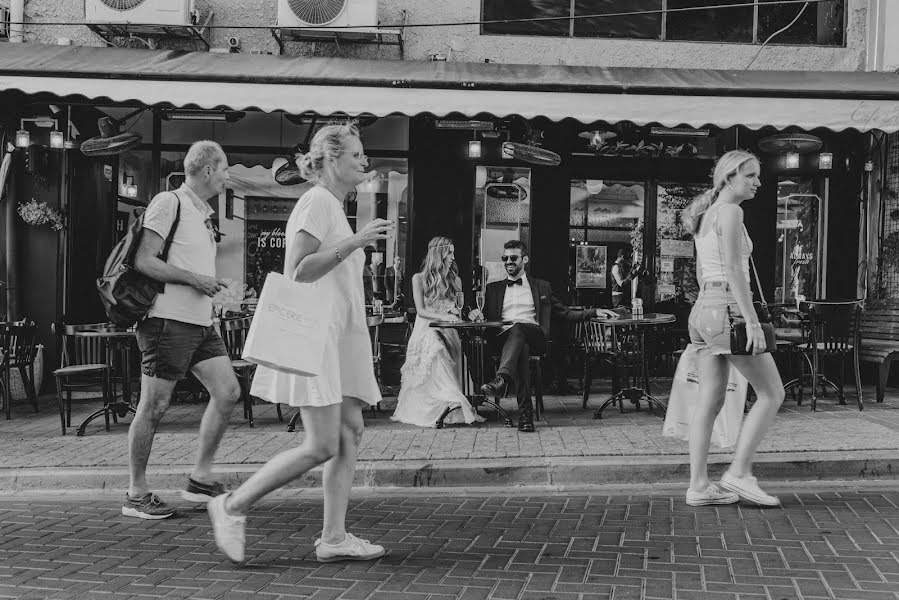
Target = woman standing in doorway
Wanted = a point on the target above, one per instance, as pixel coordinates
(723, 251)
(322, 252)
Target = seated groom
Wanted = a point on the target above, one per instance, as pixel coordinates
(529, 303)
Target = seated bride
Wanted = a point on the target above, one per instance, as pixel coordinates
(432, 375)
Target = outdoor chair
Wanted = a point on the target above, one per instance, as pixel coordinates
(83, 366)
(833, 337)
(595, 345)
(234, 334)
(18, 343)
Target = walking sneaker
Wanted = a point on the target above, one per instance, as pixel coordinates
(228, 529)
(148, 506)
(711, 495)
(351, 548)
(748, 489)
(201, 493)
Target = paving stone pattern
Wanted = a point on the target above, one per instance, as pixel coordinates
(834, 544)
(33, 440)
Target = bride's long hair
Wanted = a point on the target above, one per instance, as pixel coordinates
(439, 274)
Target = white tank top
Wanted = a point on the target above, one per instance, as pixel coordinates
(711, 254)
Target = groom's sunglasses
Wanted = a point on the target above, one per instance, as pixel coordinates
(512, 258)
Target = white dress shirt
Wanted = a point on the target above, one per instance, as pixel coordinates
(518, 303)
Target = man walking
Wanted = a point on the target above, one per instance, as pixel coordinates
(529, 304)
(178, 334)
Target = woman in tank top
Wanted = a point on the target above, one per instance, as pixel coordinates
(723, 249)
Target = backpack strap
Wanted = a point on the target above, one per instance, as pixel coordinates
(168, 240)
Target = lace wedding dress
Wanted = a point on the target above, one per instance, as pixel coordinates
(432, 376)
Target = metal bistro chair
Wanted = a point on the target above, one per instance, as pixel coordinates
(18, 342)
(83, 366)
(234, 334)
(374, 324)
(833, 335)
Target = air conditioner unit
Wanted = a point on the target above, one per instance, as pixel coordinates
(327, 13)
(150, 12)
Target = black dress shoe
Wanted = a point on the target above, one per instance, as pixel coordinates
(526, 425)
(495, 388)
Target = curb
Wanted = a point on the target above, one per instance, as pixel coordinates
(473, 473)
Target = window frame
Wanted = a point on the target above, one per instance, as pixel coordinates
(664, 27)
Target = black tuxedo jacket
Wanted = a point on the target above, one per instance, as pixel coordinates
(545, 304)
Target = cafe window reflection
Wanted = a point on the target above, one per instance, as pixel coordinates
(502, 212)
(799, 244)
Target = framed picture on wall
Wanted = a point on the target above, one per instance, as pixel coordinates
(591, 267)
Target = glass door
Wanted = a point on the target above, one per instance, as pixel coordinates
(605, 225)
(502, 212)
(800, 244)
(675, 261)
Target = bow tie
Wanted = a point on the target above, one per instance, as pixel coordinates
(511, 282)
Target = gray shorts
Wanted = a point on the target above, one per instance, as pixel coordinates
(170, 348)
(708, 325)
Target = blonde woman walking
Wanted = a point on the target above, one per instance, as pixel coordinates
(723, 250)
(322, 252)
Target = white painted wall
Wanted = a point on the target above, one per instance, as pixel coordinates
(464, 43)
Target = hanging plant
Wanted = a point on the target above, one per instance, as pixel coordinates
(39, 213)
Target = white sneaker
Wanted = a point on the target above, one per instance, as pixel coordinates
(711, 495)
(351, 548)
(748, 489)
(228, 529)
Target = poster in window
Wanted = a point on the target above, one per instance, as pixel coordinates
(265, 251)
(591, 267)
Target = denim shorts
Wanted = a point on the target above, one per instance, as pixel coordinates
(708, 325)
(170, 348)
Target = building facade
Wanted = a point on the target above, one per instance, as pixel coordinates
(624, 162)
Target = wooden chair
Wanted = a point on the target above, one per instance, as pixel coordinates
(879, 344)
(833, 335)
(595, 343)
(83, 366)
(18, 342)
(234, 334)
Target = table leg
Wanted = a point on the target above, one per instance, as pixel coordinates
(636, 372)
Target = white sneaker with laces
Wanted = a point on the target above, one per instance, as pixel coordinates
(711, 495)
(748, 489)
(351, 548)
(228, 529)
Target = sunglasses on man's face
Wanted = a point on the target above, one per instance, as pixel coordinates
(512, 258)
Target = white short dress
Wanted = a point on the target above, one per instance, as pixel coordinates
(347, 369)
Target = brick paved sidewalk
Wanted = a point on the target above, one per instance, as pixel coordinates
(33, 440)
(834, 544)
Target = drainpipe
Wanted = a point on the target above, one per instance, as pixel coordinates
(876, 34)
(17, 21)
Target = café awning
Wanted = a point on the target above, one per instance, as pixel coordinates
(296, 84)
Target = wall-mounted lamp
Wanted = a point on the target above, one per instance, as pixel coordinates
(825, 161)
(474, 149)
(56, 139)
(23, 139)
(129, 188)
(792, 160)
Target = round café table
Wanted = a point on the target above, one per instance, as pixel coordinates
(629, 347)
(117, 341)
(474, 355)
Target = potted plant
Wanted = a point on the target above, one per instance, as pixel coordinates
(40, 213)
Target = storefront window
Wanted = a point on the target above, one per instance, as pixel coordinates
(735, 21)
(799, 244)
(633, 26)
(502, 212)
(612, 221)
(675, 262)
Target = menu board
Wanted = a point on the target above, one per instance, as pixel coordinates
(265, 251)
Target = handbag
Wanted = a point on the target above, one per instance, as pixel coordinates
(685, 395)
(126, 293)
(738, 332)
(290, 327)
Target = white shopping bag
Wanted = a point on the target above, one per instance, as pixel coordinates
(685, 394)
(289, 327)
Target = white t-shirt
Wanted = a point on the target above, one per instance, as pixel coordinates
(193, 249)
